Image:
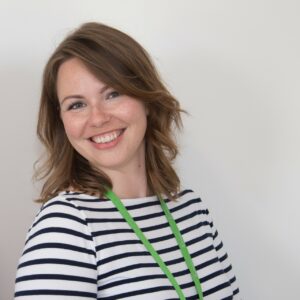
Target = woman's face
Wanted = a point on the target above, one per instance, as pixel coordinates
(105, 127)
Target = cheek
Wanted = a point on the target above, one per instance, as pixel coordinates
(135, 112)
(73, 128)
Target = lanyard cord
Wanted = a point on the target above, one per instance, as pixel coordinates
(183, 248)
(124, 212)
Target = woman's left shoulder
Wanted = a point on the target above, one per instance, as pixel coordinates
(188, 198)
(188, 195)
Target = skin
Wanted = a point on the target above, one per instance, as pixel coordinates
(90, 109)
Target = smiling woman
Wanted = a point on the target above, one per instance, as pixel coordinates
(115, 223)
(103, 126)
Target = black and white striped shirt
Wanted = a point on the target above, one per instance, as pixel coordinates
(80, 247)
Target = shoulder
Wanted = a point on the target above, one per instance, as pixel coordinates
(58, 242)
(62, 211)
(59, 224)
(67, 201)
(189, 197)
(189, 202)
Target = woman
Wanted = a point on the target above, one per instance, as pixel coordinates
(106, 229)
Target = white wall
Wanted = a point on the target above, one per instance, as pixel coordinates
(234, 65)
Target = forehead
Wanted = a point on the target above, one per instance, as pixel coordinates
(74, 76)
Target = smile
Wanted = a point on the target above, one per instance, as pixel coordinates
(107, 138)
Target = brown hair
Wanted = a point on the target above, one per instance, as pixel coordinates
(120, 62)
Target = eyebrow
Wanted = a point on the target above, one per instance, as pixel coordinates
(78, 96)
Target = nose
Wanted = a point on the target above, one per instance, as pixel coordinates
(98, 116)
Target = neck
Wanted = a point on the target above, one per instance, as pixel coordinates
(127, 186)
(131, 181)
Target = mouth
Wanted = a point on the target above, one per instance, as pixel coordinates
(107, 137)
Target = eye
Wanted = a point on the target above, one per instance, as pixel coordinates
(76, 105)
(112, 94)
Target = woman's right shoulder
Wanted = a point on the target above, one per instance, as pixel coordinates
(61, 203)
(59, 219)
(66, 199)
(61, 210)
(58, 238)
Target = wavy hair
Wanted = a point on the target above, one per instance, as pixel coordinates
(120, 62)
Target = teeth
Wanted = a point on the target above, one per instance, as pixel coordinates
(106, 138)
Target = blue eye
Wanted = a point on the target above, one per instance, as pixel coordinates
(112, 95)
(76, 105)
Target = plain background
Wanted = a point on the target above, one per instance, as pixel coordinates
(234, 65)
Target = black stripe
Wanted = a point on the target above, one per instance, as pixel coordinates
(114, 209)
(216, 232)
(228, 298)
(166, 224)
(185, 204)
(60, 246)
(220, 246)
(120, 256)
(94, 209)
(186, 217)
(112, 231)
(139, 292)
(197, 267)
(216, 289)
(168, 250)
(212, 275)
(56, 277)
(130, 280)
(198, 239)
(60, 230)
(194, 227)
(236, 291)
(58, 202)
(202, 251)
(118, 243)
(184, 192)
(143, 205)
(224, 257)
(88, 200)
(105, 220)
(125, 269)
(149, 216)
(159, 214)
(57, 261)
(73, 193)
(155, 227)
(56, 293)
(59, 215)
(232, 280)
(194, 297)
(161, 238)
(206, 264)
(181, 258)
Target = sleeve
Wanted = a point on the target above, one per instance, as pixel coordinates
(59, 257)
(221, 253)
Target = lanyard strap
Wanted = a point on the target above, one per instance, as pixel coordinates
(124, 212)
(183, 248)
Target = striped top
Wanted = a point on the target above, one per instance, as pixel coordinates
(79, 247)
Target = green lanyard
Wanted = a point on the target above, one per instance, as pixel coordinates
(124, 212)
